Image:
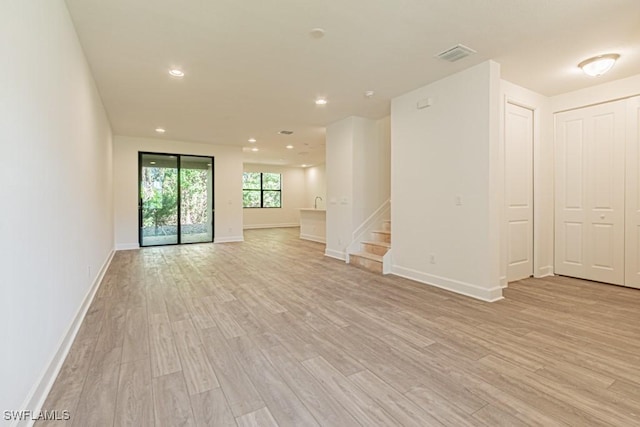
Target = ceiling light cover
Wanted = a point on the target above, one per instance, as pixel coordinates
(160, 130)
(289, 147)
(254, 149)
(321, 101)
(598, 65)
(174, 72)
(252, 140)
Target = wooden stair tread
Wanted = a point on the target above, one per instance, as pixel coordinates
(383, 244)
(382, 231)
(367, 255)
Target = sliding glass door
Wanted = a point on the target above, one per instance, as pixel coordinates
(196, 199)
(176, 199)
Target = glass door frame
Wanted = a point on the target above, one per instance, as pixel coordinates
(178, 197)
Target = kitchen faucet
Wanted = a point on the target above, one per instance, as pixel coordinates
(315, 202)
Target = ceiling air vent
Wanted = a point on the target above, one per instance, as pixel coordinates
(456, 53)
(285, 132)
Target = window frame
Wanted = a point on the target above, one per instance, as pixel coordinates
(262, 190)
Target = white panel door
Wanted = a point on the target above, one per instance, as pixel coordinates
(590, 174)
(632, 219)
(519, 191)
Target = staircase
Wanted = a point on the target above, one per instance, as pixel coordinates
(373, 251)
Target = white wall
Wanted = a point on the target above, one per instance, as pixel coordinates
(440, 153)
(293, 198)
(371, 166)
(227, 185)
(339, 152)
(315, 185)
(358, 177)
(543, 177)
(57, 223)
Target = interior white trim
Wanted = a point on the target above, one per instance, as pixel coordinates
(467, 289)
(36, 397)
(127, 246)
(335, 254)
(228, 239)
(285, 225)
(313, 238)
(371, 223)
(544, 271)
(503, 282)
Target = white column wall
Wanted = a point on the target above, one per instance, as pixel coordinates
(339, 148)
(445, 183)
(358, 177)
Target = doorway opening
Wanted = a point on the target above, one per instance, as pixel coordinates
(175, 199)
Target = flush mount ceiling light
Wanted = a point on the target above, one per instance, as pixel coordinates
(598, 65)
(304, 166)
(321, 101)
(289, 147)
(160, 130)
(254, 149)
(252, 140)
(317, 33)
(175, 72)
(369, 93)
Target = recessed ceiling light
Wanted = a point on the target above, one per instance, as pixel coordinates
(160, 130)
(290, 147)
(304, 166)
(175, 72)
(598, 65)
(321, 101)
(254, 149)
(252, 140)
(152, 163)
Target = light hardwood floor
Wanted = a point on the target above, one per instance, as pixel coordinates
(270, 332)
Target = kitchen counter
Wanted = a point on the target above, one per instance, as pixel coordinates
(313, 224)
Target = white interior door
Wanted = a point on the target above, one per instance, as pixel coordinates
(632, 219)
(590, 187)
(519, 191)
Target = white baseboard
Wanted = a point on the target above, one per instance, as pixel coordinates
(335, 254)
(127, 246)
(468, 289)
(503, 282)
(228, 239)
(544, 271)
(38, 394)
(257, 226)
(318, 239)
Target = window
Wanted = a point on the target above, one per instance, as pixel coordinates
(261, 190)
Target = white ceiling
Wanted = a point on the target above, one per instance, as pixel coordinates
(253, 69)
